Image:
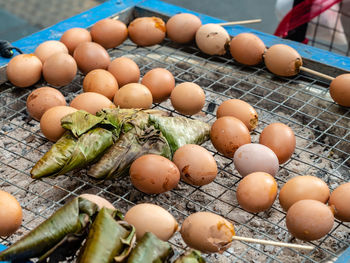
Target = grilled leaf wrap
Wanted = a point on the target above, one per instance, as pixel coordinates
(70, 219)
(190, 256)
(150, 249)
(109, 239)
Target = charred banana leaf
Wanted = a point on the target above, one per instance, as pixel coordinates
(71, 219)
(190, 256)
(151, 249)
(109, 239)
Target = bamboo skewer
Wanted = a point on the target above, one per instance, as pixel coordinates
(272, 243)
(316, 73)
(242, 22)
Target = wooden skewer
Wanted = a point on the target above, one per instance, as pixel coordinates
(316, 73)
(272, 243)
(115, 18)
(240, 22)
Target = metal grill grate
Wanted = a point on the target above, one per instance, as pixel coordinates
(322, 129)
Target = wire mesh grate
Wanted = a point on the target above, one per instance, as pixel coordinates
(322, 129)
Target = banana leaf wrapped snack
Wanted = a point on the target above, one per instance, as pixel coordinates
(190, 256)
(114, 138)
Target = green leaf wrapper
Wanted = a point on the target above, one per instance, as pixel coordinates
(151, 249)
(180, 130)
(70, 219)
(108, 239)
(190, 256)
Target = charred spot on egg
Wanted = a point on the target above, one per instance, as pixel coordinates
(212, 39)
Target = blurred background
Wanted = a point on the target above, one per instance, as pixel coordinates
(19, 18)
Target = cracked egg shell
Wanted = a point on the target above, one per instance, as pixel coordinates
(207, 232)
(196, 164)
(147, 31)
(283, 60)
(212, 39)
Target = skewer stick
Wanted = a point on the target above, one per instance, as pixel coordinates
(272, 243)
(115, 18)
(316, 73)
(240, 22)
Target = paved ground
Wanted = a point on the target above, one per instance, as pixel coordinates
(19, 18)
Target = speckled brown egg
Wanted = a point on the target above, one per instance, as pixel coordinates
(133, 95)
(48, 48)
(147, 31)
(303, 187)
(101, 81)
(187, 98)
(283, 60)
(212, 39)
(257, 192)
(160, 82)
(59, 69)
(125, 70)
(309, 220)
(280, 139)
(154, 174)
(247, 49)
(74, 36)
(255, 157)
(339, 201)
(182, 28)
(91, 102)
(239, 109)
(227, 134)
(109, 33)
(196, 164)
(340, 90)
(207, 232)
(42, 99)
(24, 70)
(90, 56)
(151, 218)
(10, 214)
(50, 122)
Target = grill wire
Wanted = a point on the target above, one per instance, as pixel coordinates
(322, 130)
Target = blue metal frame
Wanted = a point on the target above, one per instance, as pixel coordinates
(112, 7)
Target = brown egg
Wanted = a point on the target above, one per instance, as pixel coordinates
(154, 174)
(42, 99)
(340, 91)
(247, 48)
(74, 36)
(59, 69)
(339, 202)
(91, 102)
(257, 192)
(197, 165)
(109, 33)
(188, 98)
(182, 28)
(99, 201)
(280, 139)
(133, 95)
(48, 48)
(50, 122)
(303, 187)
(147, 31)
(90, 56)
(283, 60)
(10, 214)
(24, 70)
(160, 82)
(239, 109)
(151, 218)
(309, 220)
(125, 70)
(207, 232)
(227, 134)
(100, 81)
(212, 39)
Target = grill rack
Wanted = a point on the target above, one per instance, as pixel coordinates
(322, 129)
